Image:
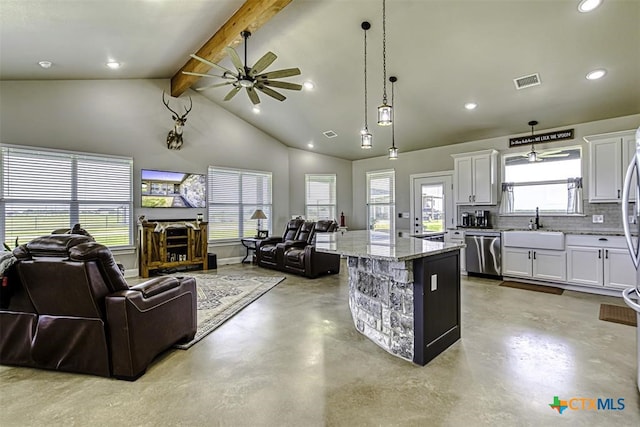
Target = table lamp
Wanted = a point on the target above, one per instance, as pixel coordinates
(259, 215)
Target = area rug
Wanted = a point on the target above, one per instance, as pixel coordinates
(618, 314)
(220, 297)
(530, 287)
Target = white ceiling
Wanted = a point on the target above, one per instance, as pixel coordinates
(444, 53)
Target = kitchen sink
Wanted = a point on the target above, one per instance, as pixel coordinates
(534, 239)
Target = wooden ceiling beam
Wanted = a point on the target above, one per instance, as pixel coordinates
(252, 15)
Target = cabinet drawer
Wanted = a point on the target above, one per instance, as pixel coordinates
(596, 241)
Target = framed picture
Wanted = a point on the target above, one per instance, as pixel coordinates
(262, 234)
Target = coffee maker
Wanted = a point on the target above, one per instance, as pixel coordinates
(467, 219)
(482, 219)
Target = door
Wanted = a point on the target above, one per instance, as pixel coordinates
(516, 262)
(482, 179)
(606, 170)
(464, 180)
(432, 203)
(619, 271)
(550, 265)
(584, 265)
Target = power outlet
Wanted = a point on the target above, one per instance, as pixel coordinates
(597, 219)
(632, 219)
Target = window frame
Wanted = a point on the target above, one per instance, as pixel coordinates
(332, 206)
(391, 173)
(266, 224)
(563, 181)
(74, 201)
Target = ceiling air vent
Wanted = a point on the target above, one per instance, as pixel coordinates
(330, 134)
(527, 81)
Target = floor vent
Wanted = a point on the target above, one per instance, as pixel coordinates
(330, 134)
(527, 81)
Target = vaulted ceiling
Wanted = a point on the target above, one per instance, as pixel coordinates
(445, 53)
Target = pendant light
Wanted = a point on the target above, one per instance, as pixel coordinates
(366, 139)
(393, 151)
(533, 156)
(385, 112)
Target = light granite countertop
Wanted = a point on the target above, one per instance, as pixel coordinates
(595, 232)
(377, 245)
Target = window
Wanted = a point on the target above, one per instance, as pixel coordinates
(43, 190)
(553, 183)
(234, 195)
(381, 201)
(320, 193)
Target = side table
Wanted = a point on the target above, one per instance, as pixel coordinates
(250, 243)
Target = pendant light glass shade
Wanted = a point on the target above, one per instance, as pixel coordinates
(385, 111)
(366, 139)
(393, 151)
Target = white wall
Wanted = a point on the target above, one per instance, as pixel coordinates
(303, 162)
(439, 159)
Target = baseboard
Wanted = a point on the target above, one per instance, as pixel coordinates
(131, 272)
(229, 261)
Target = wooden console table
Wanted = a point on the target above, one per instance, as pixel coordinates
(168, 244)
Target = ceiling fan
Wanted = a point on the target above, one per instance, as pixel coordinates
(535, 156)
(250, 78)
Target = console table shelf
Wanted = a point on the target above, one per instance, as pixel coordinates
(172, 244)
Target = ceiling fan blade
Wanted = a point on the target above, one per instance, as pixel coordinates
(213, 85)
(232, 93)
(282, 85)
(253, 96)
(224, 76)
(211, 64)
(287, 72)
(235, 59)
(272, 93)
(262, 63)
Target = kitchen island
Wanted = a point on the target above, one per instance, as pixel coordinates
(404, 292)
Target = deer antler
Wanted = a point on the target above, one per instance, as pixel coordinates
(186, 110)
(166, 104)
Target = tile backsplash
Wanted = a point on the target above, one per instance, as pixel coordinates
(611, 212)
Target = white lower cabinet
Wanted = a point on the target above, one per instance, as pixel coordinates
(599, 261)
(539, 264)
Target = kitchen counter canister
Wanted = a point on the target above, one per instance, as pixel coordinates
(404, 292)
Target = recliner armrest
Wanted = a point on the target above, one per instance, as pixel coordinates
(156, 286)
(268, 241)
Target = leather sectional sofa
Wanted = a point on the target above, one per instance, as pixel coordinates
(294, 252)
(70, 309)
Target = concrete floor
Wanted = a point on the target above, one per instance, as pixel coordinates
(294, 358)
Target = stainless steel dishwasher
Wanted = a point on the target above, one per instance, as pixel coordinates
(484, 252)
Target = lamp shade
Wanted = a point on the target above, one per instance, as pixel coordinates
(258, 214)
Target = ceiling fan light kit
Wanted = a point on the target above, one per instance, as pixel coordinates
(385, 112)
(366, 139)
(248, 78)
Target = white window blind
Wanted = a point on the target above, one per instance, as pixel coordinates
(42, 190)
(234, 195)
(320, 194)
(381, 200)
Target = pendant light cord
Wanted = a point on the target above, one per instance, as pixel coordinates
(393, 123)
(365, 81)
(384, 53)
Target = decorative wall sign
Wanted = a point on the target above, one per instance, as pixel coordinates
(558, 135)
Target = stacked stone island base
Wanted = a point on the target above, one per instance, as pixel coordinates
(407, 299)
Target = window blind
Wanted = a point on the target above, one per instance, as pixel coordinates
(381, 200)
(320, 196)
(234, 195)
(43, 190)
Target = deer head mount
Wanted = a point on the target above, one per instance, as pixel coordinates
(174, 137)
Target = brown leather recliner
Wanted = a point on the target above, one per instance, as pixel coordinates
(71, 310)
(267, 249)
(301, 257)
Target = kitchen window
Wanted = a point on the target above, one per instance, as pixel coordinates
(381, 201)
(553, 183)
(234, 195)
(320, 194)
(42, 190)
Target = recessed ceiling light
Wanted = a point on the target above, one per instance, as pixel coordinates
(588, 5)
(470, 105)
(596, 74)
(45, 64)
(113, 65)
(310, 145)
(308, 85)
(256, 109)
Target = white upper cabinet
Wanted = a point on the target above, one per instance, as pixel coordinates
(609, 155)
(475, 179)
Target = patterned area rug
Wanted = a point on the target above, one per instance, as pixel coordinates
(221, 296)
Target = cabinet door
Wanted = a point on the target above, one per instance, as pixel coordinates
(584, 265)
(619, 271)
(628, 153)
(516, 262)
(550, 265)
(482, 180)
(605, 172)
(463, 180)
